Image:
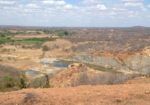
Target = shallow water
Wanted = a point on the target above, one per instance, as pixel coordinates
(56, 63)
(31, 72)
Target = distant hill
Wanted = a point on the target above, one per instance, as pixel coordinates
(138, 27)
(16, 28)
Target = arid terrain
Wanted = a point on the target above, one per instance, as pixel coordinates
(77, 66)
(133, 94)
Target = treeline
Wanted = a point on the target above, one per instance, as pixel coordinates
(60, 32)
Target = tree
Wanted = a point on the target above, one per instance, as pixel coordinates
(66, 33)
(60, 34)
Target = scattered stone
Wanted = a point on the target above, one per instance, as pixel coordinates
(147, 92)
(118, 100)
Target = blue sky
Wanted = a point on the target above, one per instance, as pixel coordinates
(75, 13)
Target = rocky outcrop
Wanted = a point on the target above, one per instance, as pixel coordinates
(128, 61)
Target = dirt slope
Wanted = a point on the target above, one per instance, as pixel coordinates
(78, 74)
(135, 94)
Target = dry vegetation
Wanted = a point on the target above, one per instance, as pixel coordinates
(9, 76)
(113, 40)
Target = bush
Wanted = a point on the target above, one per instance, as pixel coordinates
(46, 85)
(4, 50)
(22, 84)
(9, 58)
(23, 47)
(9, 82)
(45, 48)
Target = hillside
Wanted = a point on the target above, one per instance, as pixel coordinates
(78, 74)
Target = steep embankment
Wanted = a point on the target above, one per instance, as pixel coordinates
(128, 61)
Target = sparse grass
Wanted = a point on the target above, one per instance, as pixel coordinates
(5, 50)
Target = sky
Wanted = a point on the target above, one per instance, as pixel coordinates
(75, 13)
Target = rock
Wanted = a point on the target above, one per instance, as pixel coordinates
(118, 100)
(147, 92)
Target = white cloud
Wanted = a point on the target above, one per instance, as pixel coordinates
(132, 0)
(7, 2)
(69, 6)
(148, 6)
(60, 13)
(32, 6)
(52, 2)
(133, 5)
(144, 9)
(91, 2)
(96, 2)
(93, 8)
(101, 7)
(119, 9)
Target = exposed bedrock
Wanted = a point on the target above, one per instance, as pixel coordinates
(137, 62)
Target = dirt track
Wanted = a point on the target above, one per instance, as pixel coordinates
(134, 94)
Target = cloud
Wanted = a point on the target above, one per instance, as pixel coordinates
(96, 2)
(91, 2)
(148, 6)
(32, 6)
(51, 2)
(133, 5)
(69, 6)
(101, 7)
(7, 2)
(60, 13)
(132, 0)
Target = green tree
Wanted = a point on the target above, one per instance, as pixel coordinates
(66, 33)
(60, 34)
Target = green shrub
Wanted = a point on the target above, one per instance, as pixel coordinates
(46, 85)
(9, 82)
(22, 84)
(45, 48)
(4, 50)
(9, 58)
